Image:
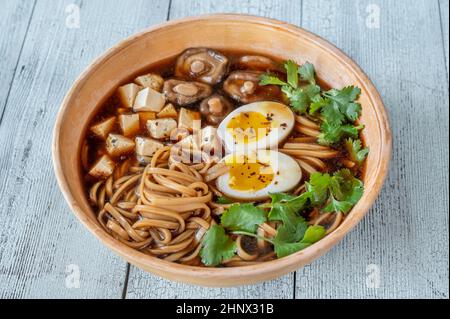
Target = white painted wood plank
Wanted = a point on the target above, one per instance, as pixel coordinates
(406, 232)
(444, 11)
(14, 20)
(143, 285)
(39, 236)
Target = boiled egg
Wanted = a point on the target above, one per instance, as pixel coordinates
(259, 125)
(254, 175)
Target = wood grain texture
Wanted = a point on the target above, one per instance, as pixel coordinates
(444, 14)
(15, 18)
(139, 281)
(39, 235)
(406, 232)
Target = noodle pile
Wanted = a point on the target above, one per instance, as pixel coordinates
(165, 208)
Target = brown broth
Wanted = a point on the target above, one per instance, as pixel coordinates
(165, 68)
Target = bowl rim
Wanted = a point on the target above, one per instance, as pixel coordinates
(265, 270)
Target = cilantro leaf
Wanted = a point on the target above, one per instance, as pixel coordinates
(283, 204)
(243, 217)
(333, 133)
(217, 246)
(283, 249)
(301, 98)
(343, 101)
(354, 150)
(344, 96)
(292, 73)
(223, 200)
(307, 73)
(318, 188)
(267, 79)
(311, 235)
(345, 191)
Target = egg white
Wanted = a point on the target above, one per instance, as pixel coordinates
(287, 174)
(282, 123)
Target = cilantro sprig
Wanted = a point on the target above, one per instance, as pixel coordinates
(217, 246)
(354, 150)
(329, 193)
(337, 110)
(300, 96)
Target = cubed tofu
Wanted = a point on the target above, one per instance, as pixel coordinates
(103, 128)
(149, 100)
(151, 80)
(127, 94)
(143, 160)
(129, 124)
(208, 137)
(103, 167)
(168, 111)
(189, 119)
(145, 116)
(123, 110)
(146, 146)
(210, 141)
(117, 145)
(161, 128)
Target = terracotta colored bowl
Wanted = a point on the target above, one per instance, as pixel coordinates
(231, 32)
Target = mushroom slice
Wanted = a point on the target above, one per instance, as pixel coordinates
(257, 62)
(243, 86)
(215, 108)
(202, 64)
(185, 93)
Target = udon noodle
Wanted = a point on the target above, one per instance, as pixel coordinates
(163, 203)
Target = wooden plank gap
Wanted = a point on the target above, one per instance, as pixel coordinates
(17, 62)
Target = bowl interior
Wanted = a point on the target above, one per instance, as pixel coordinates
(229, 32)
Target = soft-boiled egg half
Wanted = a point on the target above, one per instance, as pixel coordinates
(256, 174)
(259, 125)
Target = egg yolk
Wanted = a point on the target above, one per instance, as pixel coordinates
(249, 175)
(248, 127)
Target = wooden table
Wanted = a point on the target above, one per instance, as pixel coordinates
(399, 250)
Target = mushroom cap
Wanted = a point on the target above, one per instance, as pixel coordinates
(202, 64)
(257, 62)
(209, 110)
(185, 92)
(243, 86)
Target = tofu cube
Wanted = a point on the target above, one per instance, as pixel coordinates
(146, 147)
(209, 138)
(103, 167)
(103, 128)
(151, 80)
(168, 111)
(161, 128)
(145, 116)
(129, 124)
(117, 145)
(149, 100)
(127, 94)
(189, 119)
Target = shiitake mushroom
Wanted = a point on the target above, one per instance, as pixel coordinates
(243, 86)
(215, 108)
(184, 92)
(202, 64)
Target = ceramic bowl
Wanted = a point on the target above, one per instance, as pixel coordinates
(224, 31)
